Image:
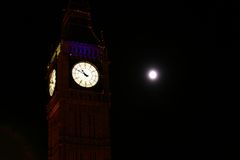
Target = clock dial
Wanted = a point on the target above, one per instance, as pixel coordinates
(52, 82)
(85, 74)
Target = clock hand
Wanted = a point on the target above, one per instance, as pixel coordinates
(84, 73)
(80, 71)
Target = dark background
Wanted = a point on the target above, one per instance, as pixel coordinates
(193, 44)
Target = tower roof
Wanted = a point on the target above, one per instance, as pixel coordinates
(77, 22)
(82, 5)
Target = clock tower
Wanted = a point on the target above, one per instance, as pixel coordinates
(79, 95)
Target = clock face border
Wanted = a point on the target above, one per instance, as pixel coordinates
(52, 82)
(85, 74)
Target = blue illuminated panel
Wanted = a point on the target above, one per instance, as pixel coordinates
(82, 50)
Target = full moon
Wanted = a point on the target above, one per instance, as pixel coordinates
(152, 74)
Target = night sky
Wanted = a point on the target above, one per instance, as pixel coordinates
(193, 45)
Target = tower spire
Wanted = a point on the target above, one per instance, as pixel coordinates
(82, 5)
(77, 22)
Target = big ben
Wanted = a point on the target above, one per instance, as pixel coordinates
(78, 110)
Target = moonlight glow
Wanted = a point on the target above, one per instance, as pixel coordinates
(152, 74)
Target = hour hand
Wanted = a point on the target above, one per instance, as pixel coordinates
(84, 73)
(80, 71)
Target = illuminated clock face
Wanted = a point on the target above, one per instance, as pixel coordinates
(52, 82)
(85, 74)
